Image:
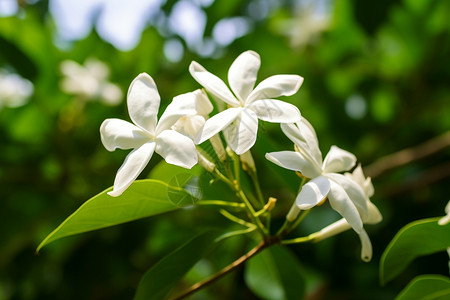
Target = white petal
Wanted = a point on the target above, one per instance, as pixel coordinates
(133, 165)
(303, 135)
(366, 246)
(242, 74)
(313, 192)
(294, 161)
(338, 160)
(374, 215)
(116, 133)
(181, 105)
(143, 102)
(275, 86)
(275, 111)
(177, 149)
(341, 203)
(212, 84)
(354, 192)
(241, 134)
(217, 123)
(203, 105)
(189, 125)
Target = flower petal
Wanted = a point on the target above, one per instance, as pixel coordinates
(338, 160)
(116, 133)
(342, 203)
(294, 161)
(212, 84)
(275, 111)
(242, 74)
(313, 192)
(216, 124)
(143, 102)
(366, 246)
(302, 134)
(187, 104)
(275, 86)
(241, 134)
(189, 125)
(177, 149)
(374, 216)
(133, 165)
(353, 190)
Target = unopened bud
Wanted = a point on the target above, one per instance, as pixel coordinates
(270, 204)
(248, 164)
(204, 162)
(217, 145)
(293, 213)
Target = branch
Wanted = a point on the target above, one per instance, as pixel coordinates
(262, 245)
(408, 155)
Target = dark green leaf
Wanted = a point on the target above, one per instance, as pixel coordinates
(275, 274)
(162, 277)
(415, 239)
(142, 199)
(426, 287)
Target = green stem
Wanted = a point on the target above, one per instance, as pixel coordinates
(235, 219)
(220, 203)
(299, 240)
(252, 212)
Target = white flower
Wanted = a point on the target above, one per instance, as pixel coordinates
(371, 216)
(248, 104)
(446, 219)
(197, 107)
(89, 81)
(147, 135)
(345, 195)
(14, 90)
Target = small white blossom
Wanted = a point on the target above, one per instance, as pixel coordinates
(146, 135)
(248, 104)
(90, 81)
(14, 90)
(345, 195)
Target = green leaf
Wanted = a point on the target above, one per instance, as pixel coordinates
(426, 287)
(142, 199)
(415, 239)
(162, 277)
(275, 274)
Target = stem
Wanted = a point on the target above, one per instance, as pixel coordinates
(235, 219)
(224, 271)
(252, 212)
(221, 203)
(299, 240)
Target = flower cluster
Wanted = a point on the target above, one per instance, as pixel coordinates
(186, 123)
(89, 81)
(14, 90)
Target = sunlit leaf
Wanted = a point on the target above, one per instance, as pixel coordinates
(275, 274)
(162, 277)
(142, 199)
(426, 287)
(413, 240)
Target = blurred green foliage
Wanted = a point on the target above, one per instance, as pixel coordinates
(392, 54)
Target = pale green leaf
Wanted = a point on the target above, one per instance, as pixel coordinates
(426, 287)
(415, 239)
(162, 277)
(275, 274)
(142, 199)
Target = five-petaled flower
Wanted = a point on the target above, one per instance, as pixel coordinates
(147, 135)
(345, 195)
(248, 104)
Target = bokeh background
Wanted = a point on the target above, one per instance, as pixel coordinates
(376, 82)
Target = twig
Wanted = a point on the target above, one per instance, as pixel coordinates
(408, 155)
(226, 270)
